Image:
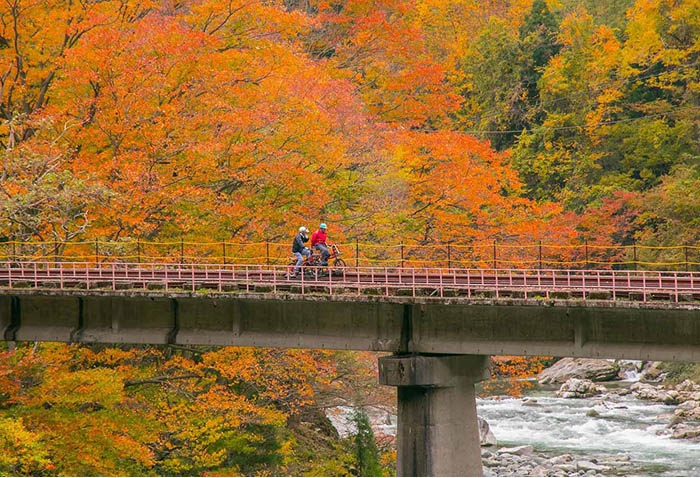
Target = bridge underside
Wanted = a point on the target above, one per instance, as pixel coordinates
(575, 328)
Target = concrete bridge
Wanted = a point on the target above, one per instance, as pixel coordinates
(440, 325)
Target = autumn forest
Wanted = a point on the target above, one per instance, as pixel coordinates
(425, 121)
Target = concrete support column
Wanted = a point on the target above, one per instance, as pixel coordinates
(438, 431)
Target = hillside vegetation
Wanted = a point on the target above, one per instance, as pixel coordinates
(425, 121)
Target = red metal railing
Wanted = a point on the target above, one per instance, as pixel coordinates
(496, 254)
(410, 281)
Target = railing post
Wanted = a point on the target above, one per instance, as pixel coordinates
(495, 257)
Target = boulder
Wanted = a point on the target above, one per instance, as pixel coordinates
(689, 410)
(579, 388)
(522, 450)
(590, 369)
(652, 372)
(486, 436)
(646, 391)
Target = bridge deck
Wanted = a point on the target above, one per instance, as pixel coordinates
(624, 314)
(433, 282)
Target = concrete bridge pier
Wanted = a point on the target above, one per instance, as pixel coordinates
(438, 431)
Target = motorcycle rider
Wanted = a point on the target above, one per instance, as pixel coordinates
(318, 242)
(299, 248)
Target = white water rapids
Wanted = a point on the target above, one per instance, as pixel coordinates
(561, 426)
(556, 426)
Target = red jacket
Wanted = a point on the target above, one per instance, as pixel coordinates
(318, 237)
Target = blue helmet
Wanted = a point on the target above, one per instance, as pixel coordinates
(323, 225)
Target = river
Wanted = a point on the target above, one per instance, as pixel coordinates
(625, 426)
(560, 426)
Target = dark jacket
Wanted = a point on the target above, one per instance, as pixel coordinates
(299, 241)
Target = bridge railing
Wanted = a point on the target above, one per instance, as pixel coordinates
(435, 282)
(475, 255)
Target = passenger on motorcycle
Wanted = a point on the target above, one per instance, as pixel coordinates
(318, 242)
(299, 250)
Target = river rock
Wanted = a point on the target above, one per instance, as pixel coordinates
(592, 413)
(590, 369)
(629, 369)
(584, 465)
(539, 471)
(683, 431)
(652, 372)
(689, 410)
(647, 391)
(530, 402)
(565, 467)
(617, 459)
(579, 388)
(566, 458)
(523, 450)
(486, 436)
(688, 386)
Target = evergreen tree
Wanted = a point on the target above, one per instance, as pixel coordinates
(366, 452)
(538, 44)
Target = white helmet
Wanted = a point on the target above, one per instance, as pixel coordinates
(303, 229)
